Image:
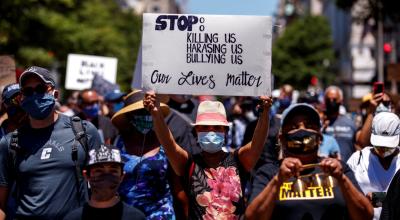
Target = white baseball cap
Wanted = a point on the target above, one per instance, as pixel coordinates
(385, 130)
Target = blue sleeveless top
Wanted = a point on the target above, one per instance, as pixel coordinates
(146, 186)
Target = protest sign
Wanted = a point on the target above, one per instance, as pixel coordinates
(207, 54)
(102, 86)
(137, 74)
(82, 68)
(7, 70)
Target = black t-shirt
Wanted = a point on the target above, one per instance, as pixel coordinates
(105, 127)
(46, 185)
(119, 211)
(181, 129)
(390, 207)
(315, 203)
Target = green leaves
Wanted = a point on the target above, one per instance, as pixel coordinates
(301, 52)
(46, 31)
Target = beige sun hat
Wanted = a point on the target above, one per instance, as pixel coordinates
(132, 102)
(211, 113)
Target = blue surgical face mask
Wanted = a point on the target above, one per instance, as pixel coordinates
(142, 123)
(91, 111)
(38, 106)
(118, 106)
(211, 142)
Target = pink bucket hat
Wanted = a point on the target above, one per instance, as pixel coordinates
(211, 113)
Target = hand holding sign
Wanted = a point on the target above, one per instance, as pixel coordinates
(151, 103)
(265, 103)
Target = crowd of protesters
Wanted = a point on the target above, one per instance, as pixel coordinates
(142, 155)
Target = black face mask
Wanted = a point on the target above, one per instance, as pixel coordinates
(104, 186)
(332, 107)
(302, 142)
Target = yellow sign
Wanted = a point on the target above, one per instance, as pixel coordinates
(311, 193)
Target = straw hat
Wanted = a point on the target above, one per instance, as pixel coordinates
(211, 113)
(132, 102)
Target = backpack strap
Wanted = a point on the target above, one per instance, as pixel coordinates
(14, 151)
(80, 132)
(80, 137)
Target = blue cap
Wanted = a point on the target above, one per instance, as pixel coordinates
(114, 95)
(10, 90)
(302, 109)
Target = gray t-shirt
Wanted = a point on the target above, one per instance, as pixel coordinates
(45, 178)
(343, 130)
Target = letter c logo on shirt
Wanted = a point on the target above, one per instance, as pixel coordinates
(46, 153)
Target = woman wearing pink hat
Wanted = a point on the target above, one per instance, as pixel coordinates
(214, 177)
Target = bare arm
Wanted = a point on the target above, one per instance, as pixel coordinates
(3, 199)
(177, 156)
(363, 138)
(249, 154)
(357, 204)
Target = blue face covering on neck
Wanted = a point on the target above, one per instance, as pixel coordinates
(211, 142)
(38, 106)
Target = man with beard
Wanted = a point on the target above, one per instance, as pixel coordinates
(339, 126)
(42, 157)
(104, 173)
(10, 104)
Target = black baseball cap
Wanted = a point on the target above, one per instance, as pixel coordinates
(44, 74)
(10, 90)
(302, 109)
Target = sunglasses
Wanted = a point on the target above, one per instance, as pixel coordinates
(302, 183)
(301, 146)
(39, 89)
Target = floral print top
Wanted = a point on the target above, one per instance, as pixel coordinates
(146, 186)
(216, 193)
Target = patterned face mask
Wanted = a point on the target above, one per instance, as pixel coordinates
(142, 123)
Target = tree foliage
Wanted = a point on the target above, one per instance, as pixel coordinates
(44, 32)
(304, 50)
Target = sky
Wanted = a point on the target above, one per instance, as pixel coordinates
(232, 7)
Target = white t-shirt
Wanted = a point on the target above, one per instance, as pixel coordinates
(370, 174)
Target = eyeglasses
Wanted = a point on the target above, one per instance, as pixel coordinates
(39, 89)
(303, 182)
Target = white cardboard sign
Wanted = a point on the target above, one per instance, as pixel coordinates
(82, 68)
(207, 54)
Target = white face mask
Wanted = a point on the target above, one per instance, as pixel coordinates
(387, 151)
(383, 108)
